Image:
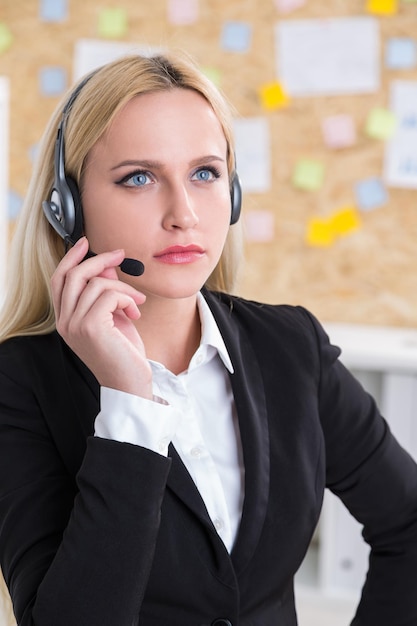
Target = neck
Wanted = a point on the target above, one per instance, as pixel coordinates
(170, 331)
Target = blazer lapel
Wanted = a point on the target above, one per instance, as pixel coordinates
(249, 395)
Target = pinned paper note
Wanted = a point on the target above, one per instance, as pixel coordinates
(112, 23)
(400, 162)
(401, 53)
(328, 56)
(252, 139)
(236, 36)
(6, 37)
(345, 221)
(33, 152)
(382, 7)
(52, 81)
(14, 204)
(339, 131)
(89, 54)
(259, 226)
(380, 124)
(53, 10)
(324, 231)
(182, 12)
(213, 74)
(370, 194)
(319, 232)
(308, 175)
(286, 6)
(273, 96)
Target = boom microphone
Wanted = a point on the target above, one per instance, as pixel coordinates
(128, 266)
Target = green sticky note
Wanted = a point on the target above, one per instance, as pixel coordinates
(212, 74)
(380, 124)
(308, 175)
(112, 23)
(6, 37)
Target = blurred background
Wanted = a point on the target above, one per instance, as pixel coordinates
(325, 100)
(325, 95)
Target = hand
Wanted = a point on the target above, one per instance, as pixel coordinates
(94, 313)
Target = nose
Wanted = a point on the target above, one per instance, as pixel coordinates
(180, 211)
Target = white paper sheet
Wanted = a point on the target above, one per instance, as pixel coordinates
(253, 153)
(4, 175)
(89, 54)
(328, 56)
(400, 162)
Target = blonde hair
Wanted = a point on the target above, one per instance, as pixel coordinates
(36, 249)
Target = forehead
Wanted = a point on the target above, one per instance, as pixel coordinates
(164, 124)
(168, 109)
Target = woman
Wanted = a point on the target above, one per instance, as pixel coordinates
(165, 446)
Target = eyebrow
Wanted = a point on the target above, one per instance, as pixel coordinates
(150, 164)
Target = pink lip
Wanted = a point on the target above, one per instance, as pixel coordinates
(176, 255)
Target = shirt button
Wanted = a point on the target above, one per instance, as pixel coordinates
(221, 622)
(218, 523)
(199, 359)
(196, 452)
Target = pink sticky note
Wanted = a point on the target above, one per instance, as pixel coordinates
(286, 6)
(339, 131)
(182, 12)
(259, 226)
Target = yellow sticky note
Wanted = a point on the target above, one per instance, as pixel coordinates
(112, 23)
(382, 7)
(319, 232)
(6, 37)
(273, 96)
(308, 175)
(345, 221)
(380, 123)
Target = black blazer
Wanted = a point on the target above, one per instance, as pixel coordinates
(96, 532)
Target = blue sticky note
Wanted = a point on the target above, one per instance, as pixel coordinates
(401, 53)
(53, 10)
(52, 81)
(236, 36)
(370, 194)
(14, 204)
(33, 152)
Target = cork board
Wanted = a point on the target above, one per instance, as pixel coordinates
(368, 275)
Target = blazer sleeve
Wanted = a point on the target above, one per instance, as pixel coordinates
(62, 540)
(377, 481)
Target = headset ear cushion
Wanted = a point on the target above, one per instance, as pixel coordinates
(236, 198)
(78, 209)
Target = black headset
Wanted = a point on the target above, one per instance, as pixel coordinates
(64, 210)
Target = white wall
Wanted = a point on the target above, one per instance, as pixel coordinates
(4, 175)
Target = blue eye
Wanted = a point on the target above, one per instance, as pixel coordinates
(206, 174)
(137, 179)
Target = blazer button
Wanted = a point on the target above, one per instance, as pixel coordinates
(221, 622)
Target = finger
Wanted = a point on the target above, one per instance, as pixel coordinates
(93, 266)
(100, 318)
(77, 303)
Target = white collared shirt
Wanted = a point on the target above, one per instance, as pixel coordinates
(199, 418)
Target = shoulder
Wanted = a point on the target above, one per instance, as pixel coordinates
(26, 355)
(260, 317)
(274, 329)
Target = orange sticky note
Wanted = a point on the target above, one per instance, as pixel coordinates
(345, 221)
(382, 7)
(319, 232)
(273, 96)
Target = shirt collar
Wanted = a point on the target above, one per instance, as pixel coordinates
(210, 333)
